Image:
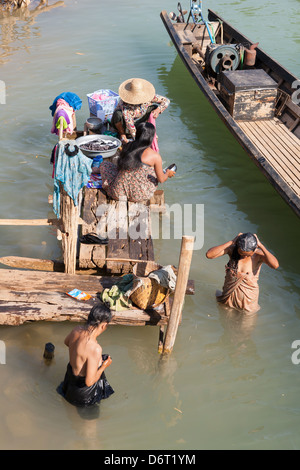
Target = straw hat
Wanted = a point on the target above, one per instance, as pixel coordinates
(136, 91)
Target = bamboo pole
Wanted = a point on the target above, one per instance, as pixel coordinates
(186, 253)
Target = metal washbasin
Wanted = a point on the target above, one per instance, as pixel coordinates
(98, 139)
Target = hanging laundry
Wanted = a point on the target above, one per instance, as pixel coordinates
(53, 158)
(65, 112)
(61, 120)
(72, 99)
(72, 169)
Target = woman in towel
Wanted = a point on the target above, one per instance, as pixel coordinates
(246, 256)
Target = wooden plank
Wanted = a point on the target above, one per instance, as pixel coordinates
(286, 137)
(94, 282)
(279, 150)
(30, 222)
(274, 155)
(24, 309)
(39, 296)
(56, 282)
(118, 246)
(90, 255)
(140, 242)
(186, 36)
(33, 263)
(277, 133)
(269, 149)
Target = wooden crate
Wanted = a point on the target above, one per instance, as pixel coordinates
(248, 95)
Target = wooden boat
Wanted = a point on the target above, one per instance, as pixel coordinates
(257, 98)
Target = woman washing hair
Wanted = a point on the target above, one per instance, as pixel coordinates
(139, 169)
(246, 256)
(85, 383)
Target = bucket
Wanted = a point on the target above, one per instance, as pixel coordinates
(148, 293)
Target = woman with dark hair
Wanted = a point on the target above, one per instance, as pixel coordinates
(85, 383)
(138, 171)
(246, 256)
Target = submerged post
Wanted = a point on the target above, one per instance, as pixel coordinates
(49, 351)
(186, 253)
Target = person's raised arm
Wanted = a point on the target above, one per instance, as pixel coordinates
(221, 250)
(267, 257)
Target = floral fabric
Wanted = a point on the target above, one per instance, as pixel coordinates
(137, 185)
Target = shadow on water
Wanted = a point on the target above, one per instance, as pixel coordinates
(275, 222)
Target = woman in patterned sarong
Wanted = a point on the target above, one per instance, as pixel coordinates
(246, 256)
(138, 171)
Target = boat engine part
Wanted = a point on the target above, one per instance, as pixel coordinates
(222, 57)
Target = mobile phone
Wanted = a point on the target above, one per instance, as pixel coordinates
(172, 167)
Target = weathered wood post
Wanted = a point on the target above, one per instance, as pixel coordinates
(186, 253)
(69, 217)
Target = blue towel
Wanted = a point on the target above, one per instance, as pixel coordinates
(73, 172)
(71, 98)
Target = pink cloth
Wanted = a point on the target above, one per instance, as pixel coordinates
(154, 145)
(63, 105)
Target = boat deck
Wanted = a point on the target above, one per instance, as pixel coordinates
(279, 146)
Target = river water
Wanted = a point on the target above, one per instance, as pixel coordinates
(230, 382)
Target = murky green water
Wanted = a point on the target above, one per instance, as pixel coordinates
(228, 384)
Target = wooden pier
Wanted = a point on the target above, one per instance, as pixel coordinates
(36, 290)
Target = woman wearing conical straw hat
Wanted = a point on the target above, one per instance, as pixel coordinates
(138, 102)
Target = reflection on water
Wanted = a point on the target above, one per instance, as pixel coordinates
(17, 27)
(236, 341)
(237, 336)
